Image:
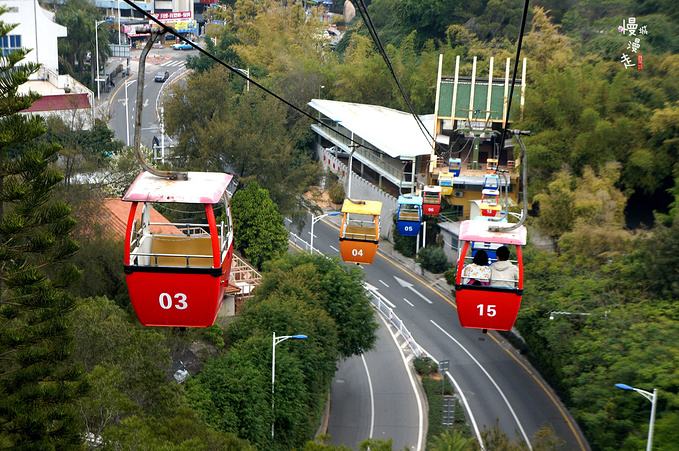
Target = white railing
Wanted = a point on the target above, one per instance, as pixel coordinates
(395, 321)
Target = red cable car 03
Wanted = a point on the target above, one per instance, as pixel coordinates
(178, 279)
(490, 304)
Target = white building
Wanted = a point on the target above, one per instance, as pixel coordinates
(35, 30)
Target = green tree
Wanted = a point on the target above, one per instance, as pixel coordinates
(83, 151)
(556, 206)
(218, 126)
(258, 226)
(334, 287)
(233, 392)
(79, 17)
(104, 336)
(37, 386)
(452, 440)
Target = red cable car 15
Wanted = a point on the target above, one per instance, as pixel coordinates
(490, 304)
(178, 279)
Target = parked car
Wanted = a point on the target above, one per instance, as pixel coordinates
(181, 46)
(161, 76)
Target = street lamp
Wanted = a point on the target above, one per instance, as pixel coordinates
(314, 220)
(319, 90)
(276, 340)
(553, 314)
(245, 72)
(96, 39)
(653, 397)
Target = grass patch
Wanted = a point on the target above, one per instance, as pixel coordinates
(435, 387)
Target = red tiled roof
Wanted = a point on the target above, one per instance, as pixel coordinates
(59, 102)
(114, 216)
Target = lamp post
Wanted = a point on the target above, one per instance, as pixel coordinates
(314, 220)
(245, 72)
(653, 397)
(553, 314)
(96, 39)
(276, 340)
(119, 40)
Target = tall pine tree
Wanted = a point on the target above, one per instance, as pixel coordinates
(37, 387)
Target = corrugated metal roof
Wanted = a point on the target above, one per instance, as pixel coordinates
(393, 132)
(478, 231)
(200, 188)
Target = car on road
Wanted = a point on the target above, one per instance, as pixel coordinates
(161, 76)
(181, 46)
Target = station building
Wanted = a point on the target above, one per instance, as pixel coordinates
(398, 158)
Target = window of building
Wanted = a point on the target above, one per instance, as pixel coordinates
(10, 43)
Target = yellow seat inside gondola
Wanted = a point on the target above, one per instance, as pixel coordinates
(191, 251)
(410, 214)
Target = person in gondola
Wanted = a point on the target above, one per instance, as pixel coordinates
(503, 272)
(478, 272)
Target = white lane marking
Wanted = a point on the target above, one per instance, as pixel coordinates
(516, 419)
(288, 220)
(146, 102)
(333, 248)
(408, 302)
(459, 391)
(172, 63)
(420, 410)
(382, 282)
(372, 398)
(174, 76)
(315, 236)
(374, 290)
(408, 285)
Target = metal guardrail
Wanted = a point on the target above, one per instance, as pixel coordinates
(395, 321)
(381, 307)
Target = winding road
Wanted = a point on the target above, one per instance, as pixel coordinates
(496, 384)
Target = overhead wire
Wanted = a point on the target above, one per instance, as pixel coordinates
(172, 31)
(516, 68)
(363, 10)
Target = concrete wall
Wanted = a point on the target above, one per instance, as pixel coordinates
(361, 189)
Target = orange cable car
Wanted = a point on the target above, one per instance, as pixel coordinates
(177, 276)
(496, 304)
(360, 230)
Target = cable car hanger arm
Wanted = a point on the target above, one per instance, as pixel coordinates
(524, 183)
(171, 175)
(167, 29)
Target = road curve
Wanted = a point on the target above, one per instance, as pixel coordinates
(498, 384)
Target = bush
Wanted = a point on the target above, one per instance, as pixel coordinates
(336, 193)
(425, 366)
(450, 275)
(404, 244)
(433, 259)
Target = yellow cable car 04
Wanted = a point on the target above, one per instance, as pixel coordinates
(360, 230)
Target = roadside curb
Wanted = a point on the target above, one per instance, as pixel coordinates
(325, 418)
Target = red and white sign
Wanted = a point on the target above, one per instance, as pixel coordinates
(174, 16)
